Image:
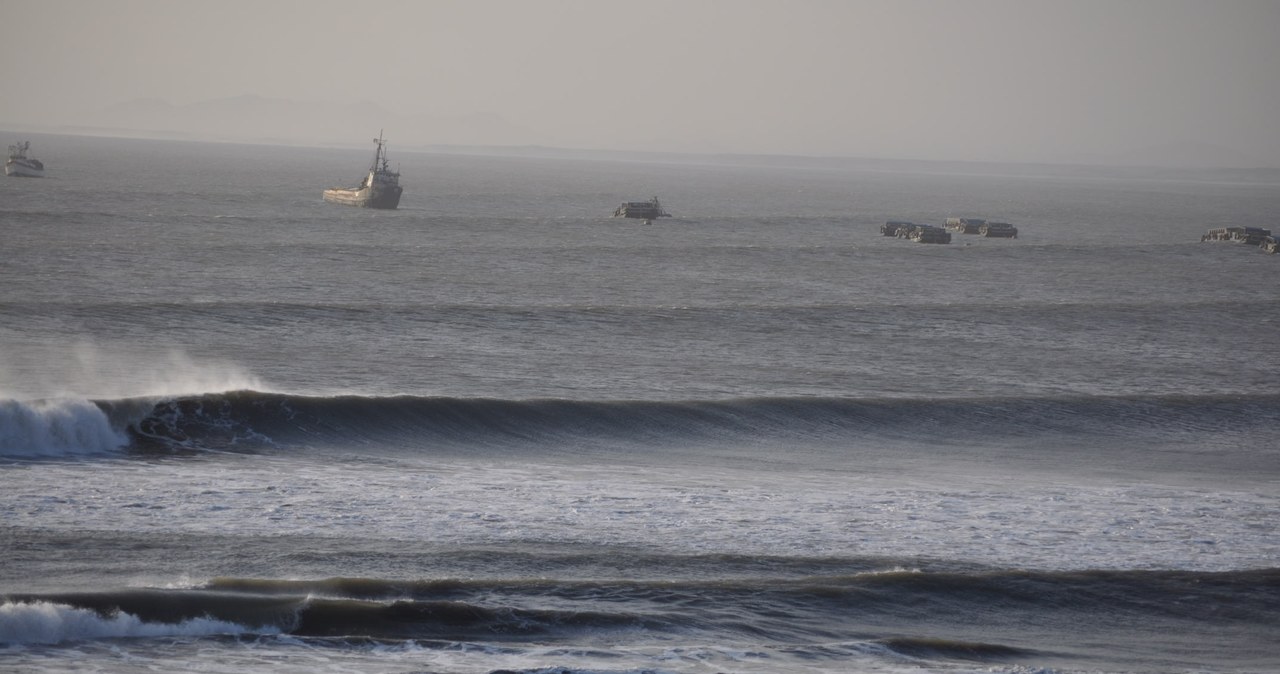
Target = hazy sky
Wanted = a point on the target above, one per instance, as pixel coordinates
(959, 79)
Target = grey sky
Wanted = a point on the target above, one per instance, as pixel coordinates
(962, 79)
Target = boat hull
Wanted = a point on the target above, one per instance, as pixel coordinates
(385, 198)
(647, 213)
(22, 169)
(641, 210)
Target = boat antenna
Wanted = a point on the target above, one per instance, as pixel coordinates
(378, 155)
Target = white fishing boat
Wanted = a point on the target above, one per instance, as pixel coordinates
(380, 188)
(20, 165)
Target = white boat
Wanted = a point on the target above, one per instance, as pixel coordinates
(20, 165)
(380, 189)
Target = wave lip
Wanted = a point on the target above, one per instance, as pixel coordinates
(59, 427)
(250, 420)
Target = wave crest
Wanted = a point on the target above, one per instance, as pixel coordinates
(251, 421)
(44, 622)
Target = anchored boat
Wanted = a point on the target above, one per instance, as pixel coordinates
(1251, 236)
(999, 230)
(892, 227)
(643, 210)
(965, 225)
(20, 165)
(380, 189)
(924, 234)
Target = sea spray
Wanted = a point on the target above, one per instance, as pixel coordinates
(96, 371)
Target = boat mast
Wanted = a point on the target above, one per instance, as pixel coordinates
(380, 161)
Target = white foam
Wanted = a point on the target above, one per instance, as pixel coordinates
(62, 427)
(47, 623)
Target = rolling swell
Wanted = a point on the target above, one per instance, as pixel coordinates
(251, 421)
(889, 608)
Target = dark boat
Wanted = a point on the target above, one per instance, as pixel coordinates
(925, 234)
(380, 189)
(965, 225)
(999, 230)
(892, 227)
(643, 210)
(1251, 236)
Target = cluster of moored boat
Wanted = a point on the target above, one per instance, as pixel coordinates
(1249, 236)
(381, 189)
(935, 234)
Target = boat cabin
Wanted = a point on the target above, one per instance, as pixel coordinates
(925, 234)
(892, 227)
(965, 225)
(643, 210)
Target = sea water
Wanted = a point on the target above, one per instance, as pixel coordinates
(498, 430)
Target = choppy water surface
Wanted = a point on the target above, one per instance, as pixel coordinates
(496, 430)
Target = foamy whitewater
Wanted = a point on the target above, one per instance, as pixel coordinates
(497, 430)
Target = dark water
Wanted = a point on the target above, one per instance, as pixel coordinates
(495, 430)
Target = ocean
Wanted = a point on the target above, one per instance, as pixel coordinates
(498, 431)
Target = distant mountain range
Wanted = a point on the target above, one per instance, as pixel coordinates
(251, 118)
(1185, 154)
(258, 119)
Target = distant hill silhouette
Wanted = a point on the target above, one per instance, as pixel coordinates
(252, 118)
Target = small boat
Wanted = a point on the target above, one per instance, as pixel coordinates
(20, 165)
(1251, 236)
(892, 227)
(380, 189)
(1000, 230)
(965, 225)
(642, 210)
(925, 234)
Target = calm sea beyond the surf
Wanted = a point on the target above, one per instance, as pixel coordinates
(497, 430)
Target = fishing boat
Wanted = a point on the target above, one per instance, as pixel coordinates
(20, 165)
(380, 188)
(965, 225)
(998, 230)
(892, 227)
(643, 210)
(925, 234)
(1251, 236)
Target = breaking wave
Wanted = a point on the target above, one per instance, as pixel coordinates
(787, 608)
(256, 421)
